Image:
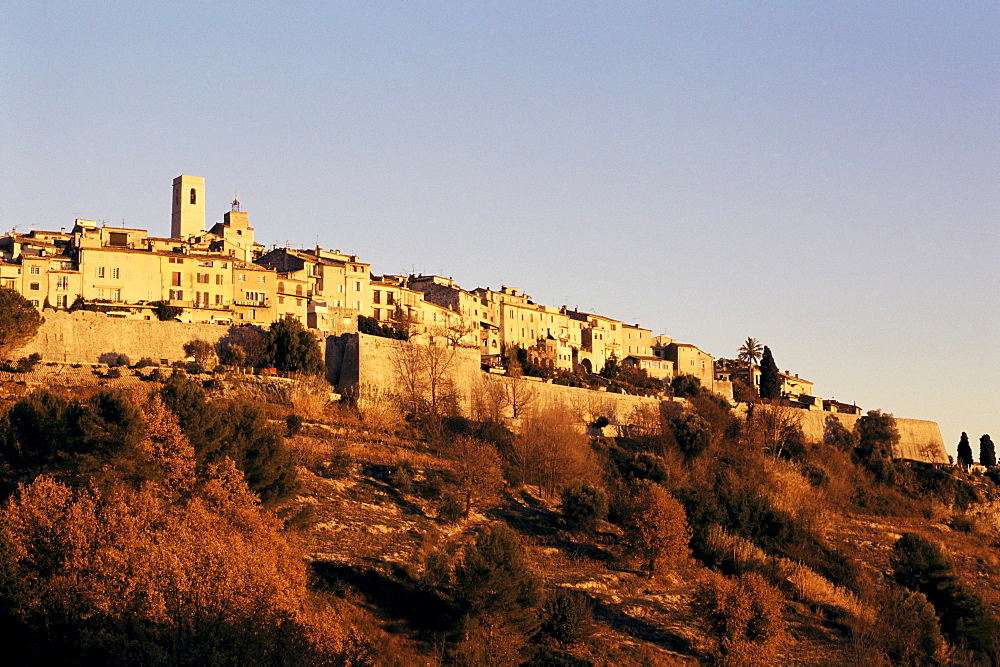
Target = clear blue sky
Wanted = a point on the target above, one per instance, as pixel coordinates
(821, 176)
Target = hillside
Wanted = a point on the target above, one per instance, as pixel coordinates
(764, 546)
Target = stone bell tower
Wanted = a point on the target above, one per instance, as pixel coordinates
(187, 216)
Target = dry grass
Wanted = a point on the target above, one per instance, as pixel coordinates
(811, 587)
(379, 409)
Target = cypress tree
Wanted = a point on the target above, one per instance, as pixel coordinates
(770, 380)
(987, 453)
(964, 450)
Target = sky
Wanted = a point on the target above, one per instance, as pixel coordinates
(822, 176)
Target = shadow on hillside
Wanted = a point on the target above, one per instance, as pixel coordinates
(400, 598)
(376, 476)
(528, 516)
(639, 629)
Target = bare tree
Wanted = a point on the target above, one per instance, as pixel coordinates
(552, 451)
(478, 468)
(490, 400)
(521, 394)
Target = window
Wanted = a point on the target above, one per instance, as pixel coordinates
(62, 282)
(203, 278)
(176, 260)
(115, 273)
(61, 301)
(194, 196)
(378, 314)
(218, 299)
(262, 279)
(377, 298)
(100, 271)
(281, 299)
(116, 295)
(298, 302)
(281, 286)
(340, 288)
(34, 271)
(209, 264)
(218, 279)
(176, 295)
(35, 286)
(35, 303)
(298, 290)
(118, 238)
(357, 286)
(390, 298)
(241, 277)
(225, 265)
(175, 278)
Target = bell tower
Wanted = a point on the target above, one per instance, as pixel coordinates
(187, 216)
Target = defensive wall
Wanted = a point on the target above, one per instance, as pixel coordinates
(354, 359)
(89, 337)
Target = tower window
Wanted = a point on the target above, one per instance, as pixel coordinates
(194, 196)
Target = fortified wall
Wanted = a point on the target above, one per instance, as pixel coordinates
(89, 337)
(354, 359)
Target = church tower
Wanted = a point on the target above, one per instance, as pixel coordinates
(188, 212)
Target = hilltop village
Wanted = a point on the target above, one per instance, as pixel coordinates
(222, 275)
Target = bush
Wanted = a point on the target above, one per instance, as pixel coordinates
(293, 424)
(567, 617)
(656, 528)
(145, 362)
(114, 372)
(340, 465)
(583, 506)
(744, 618)
(165, 311)
(29, 363)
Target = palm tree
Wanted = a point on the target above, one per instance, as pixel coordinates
(750, 353)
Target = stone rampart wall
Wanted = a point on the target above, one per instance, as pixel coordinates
(89, 337)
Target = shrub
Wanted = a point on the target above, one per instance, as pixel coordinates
(686, 386)
(114, 372)
(567, 617)
(656, 528)
(293, 424)
(291, 347)
(341, 463)
(744, 618)
(29, 363)
(452, 508)
(583, 506)
(145, 362)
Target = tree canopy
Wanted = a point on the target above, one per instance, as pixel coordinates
(987, 452)
(291, 347)
(19, 321)
(964, 450)
(770, 378)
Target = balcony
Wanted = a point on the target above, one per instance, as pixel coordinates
(263, 303)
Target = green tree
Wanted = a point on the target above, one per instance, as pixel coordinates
(964, 451)
(234, 430)
(770, 377)
(686, 386)
(921, 565)
(19, 321)
(583, 506)
(693, 434)
(291, 347)
(97, 440)
(164, 311)
(567, 617)
(987, 452)
(494, 579)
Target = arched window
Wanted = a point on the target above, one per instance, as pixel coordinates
(298, 290)
(281, 287)
(194, 196)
